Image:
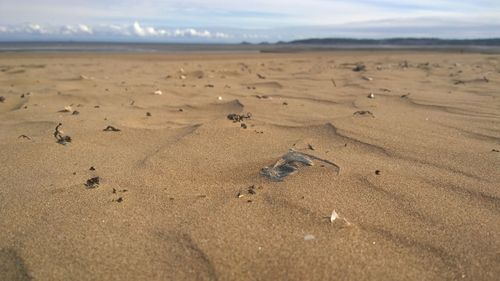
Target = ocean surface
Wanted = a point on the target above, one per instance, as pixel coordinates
(58, 47)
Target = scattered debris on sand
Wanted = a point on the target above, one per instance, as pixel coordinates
(463, 82)
(243, 125)
(92, 168)
(83, 77)
(111, 129)
(148, 114)
(336, 219)
(239, 118)
(92, 182)
(261, 76)
(76, 112)
(24, 137)
(2, 99)
(495, 150)
(309, 237)
(363, 113)
(251, 190)
(59, 135)
(290, 163)
(67, 109)
(209, 86)
(371, 96)
(333, 82)
(359, 67)
(158, 93)
(377, 172)
(367, 78)
(310, 146)
(265, 97)
(405, 96)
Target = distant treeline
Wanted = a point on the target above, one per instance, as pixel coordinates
(398, 42)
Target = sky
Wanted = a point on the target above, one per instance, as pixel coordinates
(233, 21)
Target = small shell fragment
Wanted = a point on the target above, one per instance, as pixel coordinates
(219, 98)
(371, 96)
(334, 216)
(309, 237)
(158, 92)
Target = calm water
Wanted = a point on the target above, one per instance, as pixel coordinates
(172, 48)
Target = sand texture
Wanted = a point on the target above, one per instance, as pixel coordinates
(176, 190)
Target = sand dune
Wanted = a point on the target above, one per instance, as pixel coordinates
(180, 195)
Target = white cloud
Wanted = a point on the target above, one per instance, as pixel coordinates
(133, 30)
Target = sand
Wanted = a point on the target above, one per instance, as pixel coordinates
(174, 202)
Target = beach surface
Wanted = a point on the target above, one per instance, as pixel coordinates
(180, 194)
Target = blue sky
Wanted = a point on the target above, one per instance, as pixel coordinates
(251, 20)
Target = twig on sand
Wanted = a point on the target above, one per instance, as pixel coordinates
(24, 137)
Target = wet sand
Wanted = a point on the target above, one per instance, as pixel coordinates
(180, 194)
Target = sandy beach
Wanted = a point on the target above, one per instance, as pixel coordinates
(173, 190)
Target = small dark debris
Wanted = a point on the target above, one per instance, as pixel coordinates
(97, 106)
(61, 139)
(24, 137)
(405, 96)
(259, 132)
(181, 110)
(333, 82)
(249, 201)
(74, 173)
(243, 125)
(359, 67)
(262, 96)
(238, 118)
(377, 172)
(76, 112)
(114, 191)
(148, 114)
(310, 146)
(251, 190)
(2, 98)
(495, 150)
(209, 86)
(111, 129)
(92, 168)
(132, 102)
(363, 113)
(285, 103)
(22, 96)
(119, 200)
(261, 76)
(92, 182)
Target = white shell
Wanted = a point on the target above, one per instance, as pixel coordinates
(158, 92)
(334, 216)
